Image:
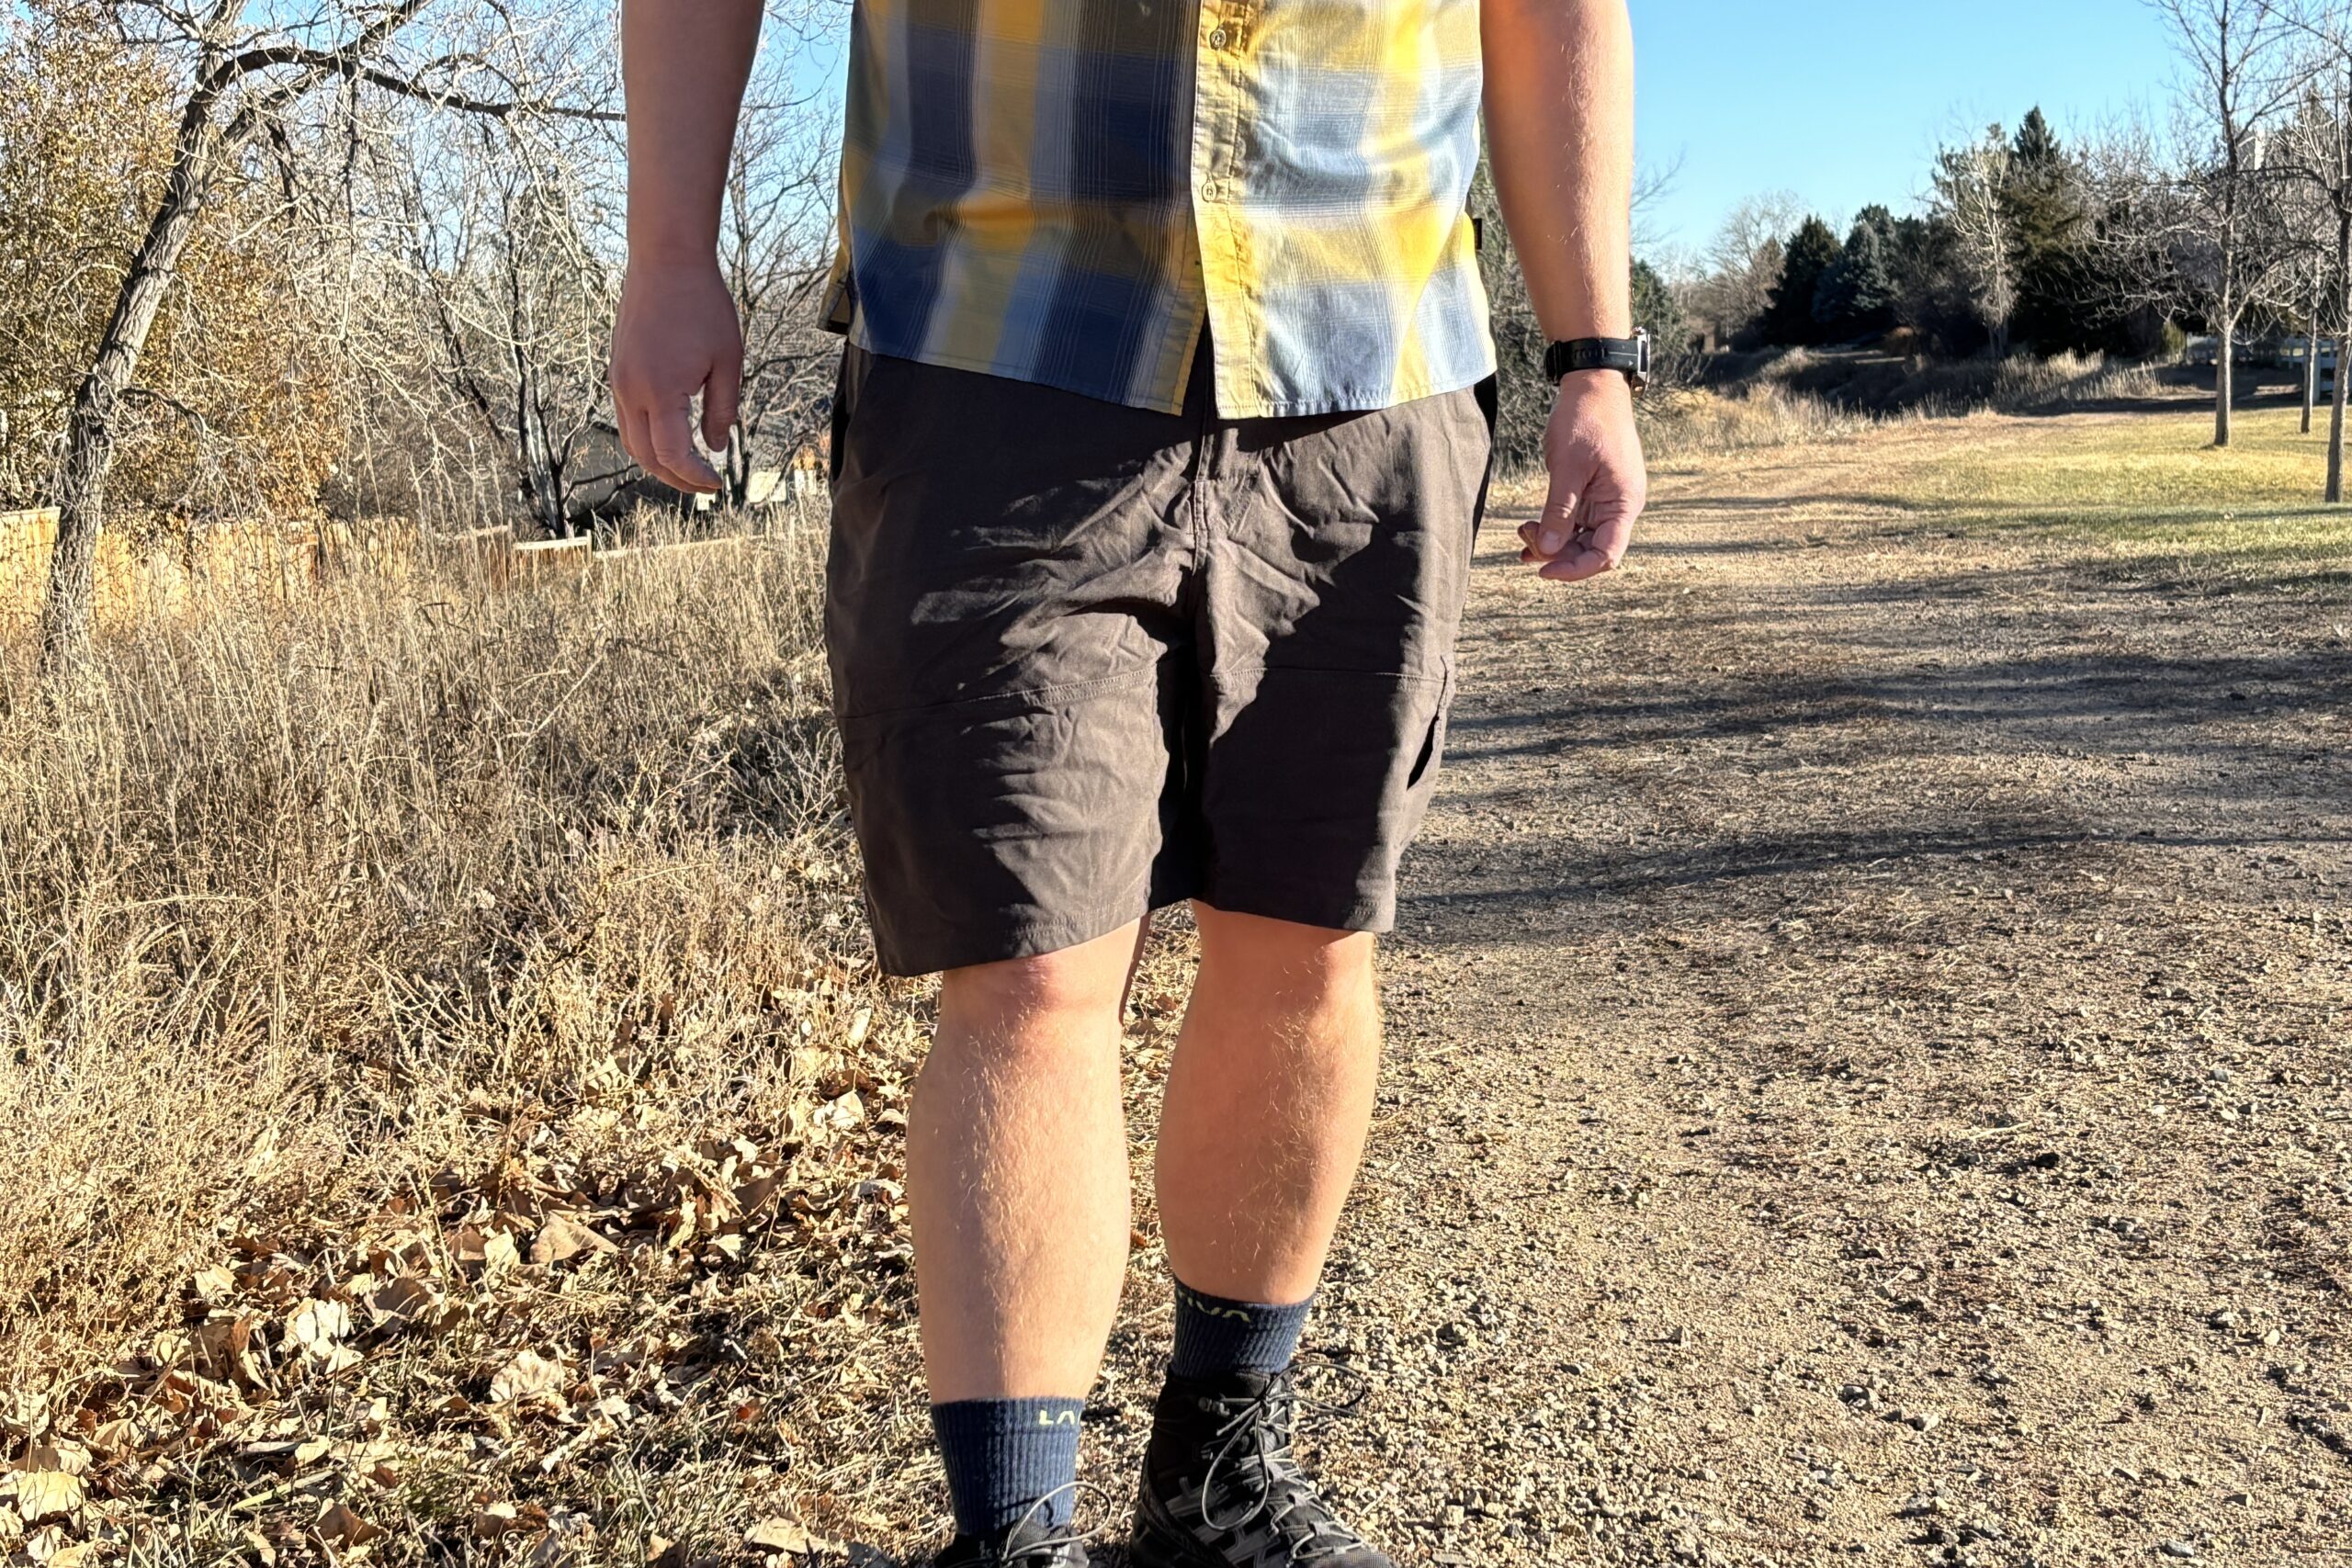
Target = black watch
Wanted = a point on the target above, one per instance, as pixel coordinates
(1630, 355)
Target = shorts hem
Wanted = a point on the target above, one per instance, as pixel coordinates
(1368, 915)
(1003, 941)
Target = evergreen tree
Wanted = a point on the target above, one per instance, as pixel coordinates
(1812, 252)
(1656, 307)
(2036, 144)
(2044, 198)
(1856, 295)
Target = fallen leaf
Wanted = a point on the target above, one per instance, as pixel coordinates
(319, 1327)
(45, 1494)
(564, 1237)
(212, 1286)
(404, 1299)
(528, 1376)
(774, 1536)
(343, 1528)
(499, 1254)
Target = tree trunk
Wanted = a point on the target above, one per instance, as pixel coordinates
(735, 470)
(2311, 355)
(2343, 358)
(90, 433)
(2224, 377)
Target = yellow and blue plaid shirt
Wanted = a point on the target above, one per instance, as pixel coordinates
(1066, 191)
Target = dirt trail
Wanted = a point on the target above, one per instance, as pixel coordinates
(1872, 1062)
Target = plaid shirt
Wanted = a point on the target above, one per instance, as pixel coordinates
(1064, 191)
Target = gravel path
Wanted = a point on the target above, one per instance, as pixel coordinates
(1868, 1072)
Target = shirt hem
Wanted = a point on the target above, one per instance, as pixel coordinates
(980, 366)
(1301, 408)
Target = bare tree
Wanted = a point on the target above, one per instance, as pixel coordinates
(774, 251)
(2319, 148)
(251, 73)
(516, 294)
(1743, 261)
(2216, 234)
(1971, 185)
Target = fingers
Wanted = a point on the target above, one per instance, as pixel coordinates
(720, 400)
(1600, 547)
(675, 462)
(659, 441)
(1556, 529)
(635, 440)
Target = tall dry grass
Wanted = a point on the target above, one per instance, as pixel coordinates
(289, 891)
(1795, 396)
(1700, 422)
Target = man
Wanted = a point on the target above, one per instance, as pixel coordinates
(1159, 448)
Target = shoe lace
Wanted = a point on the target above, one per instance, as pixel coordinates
(1045, 1550)
(1253, 1448)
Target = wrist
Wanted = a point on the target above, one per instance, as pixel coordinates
(673, 251)
(1626, 357)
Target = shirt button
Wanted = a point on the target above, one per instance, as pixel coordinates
(1219, 37)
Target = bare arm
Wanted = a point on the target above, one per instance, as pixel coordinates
(685, 64)
(1560, 134)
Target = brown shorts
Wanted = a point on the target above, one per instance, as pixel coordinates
(1090, 659)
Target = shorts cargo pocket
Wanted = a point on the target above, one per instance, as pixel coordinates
(1433, 740)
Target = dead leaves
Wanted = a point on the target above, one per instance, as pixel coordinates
(339, 1526)
(528, 1378)
(42, 1497)
(511, 1325)
(563, 1238)
(318, 1329)
(783, 1537)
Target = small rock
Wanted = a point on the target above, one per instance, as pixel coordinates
(2177, 1549)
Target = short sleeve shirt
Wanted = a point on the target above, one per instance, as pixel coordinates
(1067, 191)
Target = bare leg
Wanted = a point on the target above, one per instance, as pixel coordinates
(1017, 1175)
(1269, 1098)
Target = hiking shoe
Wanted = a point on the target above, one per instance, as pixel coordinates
(1220, 1489)
(1028, 1544)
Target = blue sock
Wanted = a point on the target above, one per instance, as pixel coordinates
(1009, 1460)
(1214, 1336)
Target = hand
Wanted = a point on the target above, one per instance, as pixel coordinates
(677, 335)
(1598, 481)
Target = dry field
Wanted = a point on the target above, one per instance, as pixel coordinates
(1871, 1073)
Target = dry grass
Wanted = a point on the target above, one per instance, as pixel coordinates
(1700, 423)
(1785, 396)
(345, 944)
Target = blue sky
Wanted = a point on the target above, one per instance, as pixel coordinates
(1844, 101)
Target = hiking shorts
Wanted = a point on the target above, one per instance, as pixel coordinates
(1089, 659)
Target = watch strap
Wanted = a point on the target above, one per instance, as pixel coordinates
(1630, 355)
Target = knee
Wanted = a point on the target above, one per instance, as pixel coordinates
(1307, 965)
(1051, 987)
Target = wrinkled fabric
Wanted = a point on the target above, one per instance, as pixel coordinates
(1088, 660)
(1066, 192)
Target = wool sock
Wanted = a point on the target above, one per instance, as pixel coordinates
(1009, 1460)
(1214, 1336)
